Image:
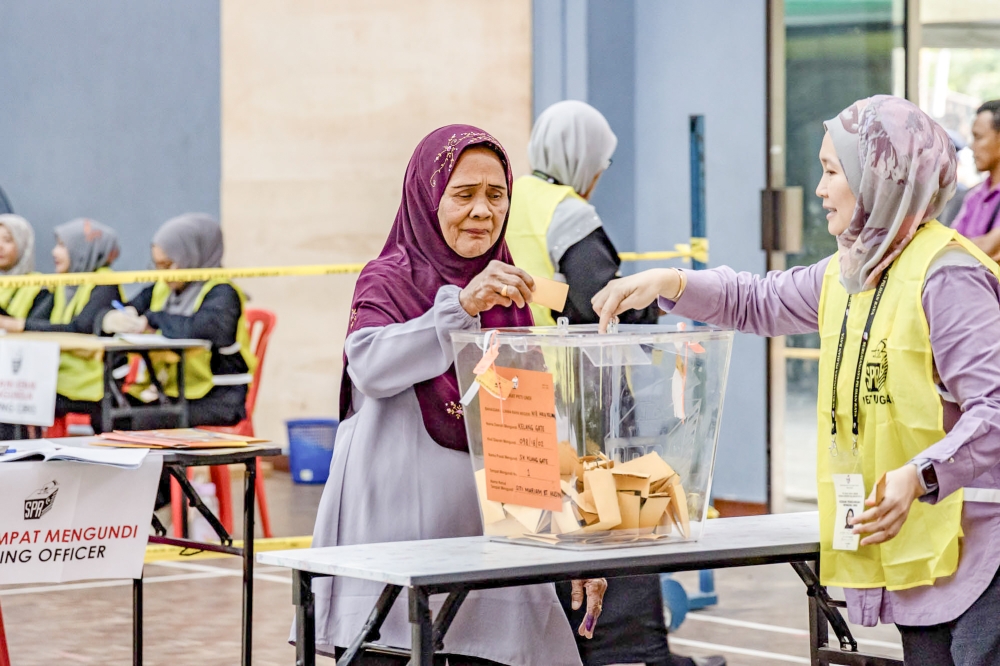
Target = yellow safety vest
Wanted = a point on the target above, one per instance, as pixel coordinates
(899, 415)
(17, 301)
(198, 377)
(531, 211)
(81, 374)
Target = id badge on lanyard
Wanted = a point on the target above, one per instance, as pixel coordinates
(845, 464)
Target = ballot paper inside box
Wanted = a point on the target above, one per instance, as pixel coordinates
(587, 440)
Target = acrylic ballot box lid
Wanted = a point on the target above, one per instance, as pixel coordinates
(580, 439)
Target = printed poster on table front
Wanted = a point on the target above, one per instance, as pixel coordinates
(64, 521)
(28, 374)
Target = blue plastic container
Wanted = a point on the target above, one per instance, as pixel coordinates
(310, 448)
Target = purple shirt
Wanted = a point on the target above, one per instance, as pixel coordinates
(962, 305)
(979, 213)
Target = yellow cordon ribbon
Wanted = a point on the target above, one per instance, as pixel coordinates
(697, 250)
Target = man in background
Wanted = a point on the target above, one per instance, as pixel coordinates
(978, 218)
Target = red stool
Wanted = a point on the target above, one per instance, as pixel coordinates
(261, 324)
(60, 427)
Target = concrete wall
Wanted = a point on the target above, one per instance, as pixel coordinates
(323, 103)
(649, 65)
(111, 111)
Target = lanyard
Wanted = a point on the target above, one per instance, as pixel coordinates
(879, 290)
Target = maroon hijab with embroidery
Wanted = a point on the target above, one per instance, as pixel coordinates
(402, 283)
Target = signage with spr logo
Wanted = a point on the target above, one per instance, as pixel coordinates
(63, 521)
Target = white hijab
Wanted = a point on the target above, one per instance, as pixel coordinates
(571, 143)
(24, 239)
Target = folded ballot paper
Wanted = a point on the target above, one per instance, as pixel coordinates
(603, 503)
(30, 450)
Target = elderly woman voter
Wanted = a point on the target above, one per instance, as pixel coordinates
(909, 381)
(401, 468)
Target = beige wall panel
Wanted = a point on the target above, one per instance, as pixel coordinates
(323, 102)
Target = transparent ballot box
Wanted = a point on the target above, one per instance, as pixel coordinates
(587, 440)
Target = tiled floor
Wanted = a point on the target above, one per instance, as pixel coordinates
(193, 611)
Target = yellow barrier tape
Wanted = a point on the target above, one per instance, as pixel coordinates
(161, 553)
(697, 250)
(178, 275)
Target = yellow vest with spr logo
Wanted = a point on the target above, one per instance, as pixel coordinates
(531, 210)
(900, 415)
(81, 374)
(198, 377)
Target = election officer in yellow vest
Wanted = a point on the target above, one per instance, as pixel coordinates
(215, 381)
(554, 232)
(553, 229)
(17, 257)
(82, 246)
(909, 381)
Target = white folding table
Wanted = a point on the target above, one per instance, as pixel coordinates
(457, 566)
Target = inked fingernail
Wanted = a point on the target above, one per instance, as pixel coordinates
(589, 622)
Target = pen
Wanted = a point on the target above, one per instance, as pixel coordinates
(6, 451)
(118, 306)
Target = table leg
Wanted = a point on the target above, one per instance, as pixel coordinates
(422, 628)
(305, 618)
(249, 504)
(137, 622)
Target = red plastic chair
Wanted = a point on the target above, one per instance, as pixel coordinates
(261, 323)
(4, 654)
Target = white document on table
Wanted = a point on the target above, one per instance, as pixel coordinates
(157, 340)
(47, 450)
(28, 374)
(60, 521)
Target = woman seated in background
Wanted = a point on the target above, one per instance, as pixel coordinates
(17, 257)
(215, 381)
(82, 246)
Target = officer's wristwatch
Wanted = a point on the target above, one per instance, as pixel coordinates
(927, 476)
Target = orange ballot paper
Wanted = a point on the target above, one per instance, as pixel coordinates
(550, 293)
(520, 451)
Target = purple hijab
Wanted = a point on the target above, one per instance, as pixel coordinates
(402, 283)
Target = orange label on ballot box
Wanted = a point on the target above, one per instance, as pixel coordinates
(520, 450)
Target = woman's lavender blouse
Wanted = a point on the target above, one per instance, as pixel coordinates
(962, 305)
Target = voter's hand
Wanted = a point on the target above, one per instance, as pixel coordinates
(11, 324)
(595, 589)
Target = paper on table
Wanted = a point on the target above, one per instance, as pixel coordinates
(43, 449)
(158, 340)
(550, 293)
(520, 450)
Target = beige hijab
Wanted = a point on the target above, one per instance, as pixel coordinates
(24, 239)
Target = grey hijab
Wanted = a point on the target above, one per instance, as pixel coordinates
(192, 240)
(91, 244)
(24, 239)
(572, 143)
